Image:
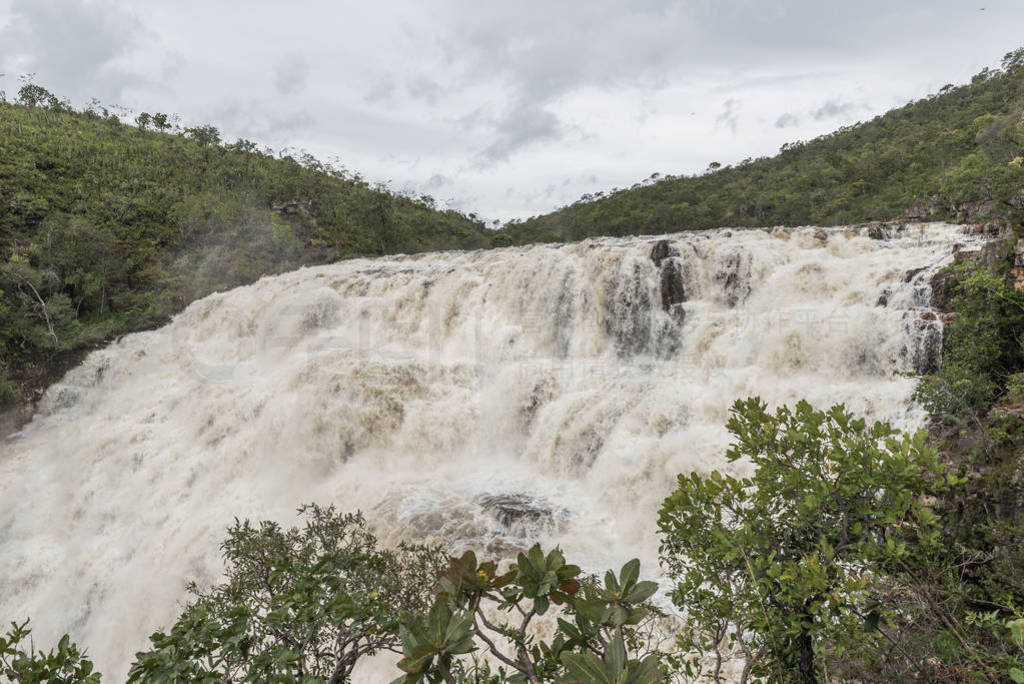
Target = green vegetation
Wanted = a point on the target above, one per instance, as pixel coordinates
(852, 552)
(849, 552)
(785, 565)
(606, 640)
(954, 155)
(981, 346)
(107, 228)
(63, 665)
(297, 605)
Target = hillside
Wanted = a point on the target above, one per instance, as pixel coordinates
(955, 155)
(107, 228)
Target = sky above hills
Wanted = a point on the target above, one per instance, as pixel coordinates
(508, 109)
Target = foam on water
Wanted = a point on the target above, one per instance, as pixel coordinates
(486, 399)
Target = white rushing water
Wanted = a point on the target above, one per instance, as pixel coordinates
(484, 398)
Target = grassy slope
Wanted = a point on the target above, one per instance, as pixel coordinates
(953, 151)
(106, 228)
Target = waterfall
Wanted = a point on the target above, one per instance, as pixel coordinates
(486, 399)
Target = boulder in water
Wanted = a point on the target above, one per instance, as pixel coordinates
(663, 249)
(875, 230)
(511, 510)
(673, 293)
(912, 273)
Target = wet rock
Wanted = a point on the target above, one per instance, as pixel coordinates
(512, 510)
(663, 249)
(875, 230)
(912, 273)
(544, 390)
(733, 276)
(628, 316)
(925, 329)
(942, 290)
(673, 293)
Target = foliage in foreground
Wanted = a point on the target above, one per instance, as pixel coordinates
(600, 633)
(784, 565)
(303, 604)
(970, 596)
(65, 664)
(831, 561)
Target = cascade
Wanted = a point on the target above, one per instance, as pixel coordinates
(487, 399)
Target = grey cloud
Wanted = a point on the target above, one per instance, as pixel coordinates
(252, 119)
(729, 114)
(72, 47)
(836, 108)
(522, 126)
(436, 182)
(539, 52)
(424, 88)
(787, 120)
(383, 91)
(291, 74)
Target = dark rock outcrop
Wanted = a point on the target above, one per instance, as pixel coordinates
(733, 276)
(673, 292)
(875, 230)
(663, 249)
(928, 209)
(942, 290)
(925, 327)
(912, 273)
(511, 510)
(627, 320)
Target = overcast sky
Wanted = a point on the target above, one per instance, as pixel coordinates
(509, 109)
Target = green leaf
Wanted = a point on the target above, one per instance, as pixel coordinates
(615, 656)
(871, 621)
(585, 667)
(541, 604)
(642, 591)
(629, 575)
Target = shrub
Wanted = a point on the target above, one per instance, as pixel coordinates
(783, 565)
(300, 603)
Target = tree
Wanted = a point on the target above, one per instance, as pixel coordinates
(204, 135)
(299, 603)
(160, 121)
(783, 565)
(64, 665)
(599, 630)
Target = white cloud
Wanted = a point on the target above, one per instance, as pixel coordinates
(519, 107)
